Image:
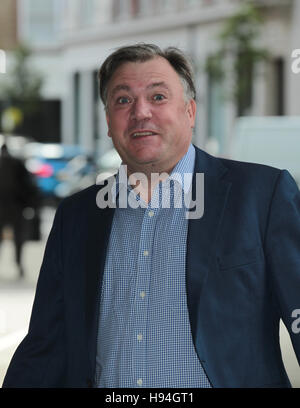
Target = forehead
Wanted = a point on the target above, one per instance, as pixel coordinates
(141, 74)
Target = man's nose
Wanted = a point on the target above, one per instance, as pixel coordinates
(141, 109)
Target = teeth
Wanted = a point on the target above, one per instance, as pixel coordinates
(142, 134)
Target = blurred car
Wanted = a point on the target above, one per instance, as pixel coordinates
(60, 170)
(107, 165)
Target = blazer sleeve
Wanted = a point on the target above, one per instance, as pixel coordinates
(283, 253)
(39, 360)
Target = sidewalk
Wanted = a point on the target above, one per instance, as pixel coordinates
(16, 296)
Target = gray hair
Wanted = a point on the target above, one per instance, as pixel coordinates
(142, 52)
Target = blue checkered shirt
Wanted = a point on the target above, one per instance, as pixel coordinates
(144, 336)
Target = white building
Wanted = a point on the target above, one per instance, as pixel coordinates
(71, 38)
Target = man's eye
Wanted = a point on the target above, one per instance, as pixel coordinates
(123, 100)
(158, 97)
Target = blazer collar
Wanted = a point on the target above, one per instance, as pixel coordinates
(99, 227)
(203, 232)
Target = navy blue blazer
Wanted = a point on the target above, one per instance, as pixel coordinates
(242, 276)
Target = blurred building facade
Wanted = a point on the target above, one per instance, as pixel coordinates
(71, 38)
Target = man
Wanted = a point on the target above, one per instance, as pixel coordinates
(17, 192)
(146, 296)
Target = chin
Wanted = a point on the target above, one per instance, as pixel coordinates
(146, 157)
(146, 160)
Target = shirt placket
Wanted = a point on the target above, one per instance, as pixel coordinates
(141, 299)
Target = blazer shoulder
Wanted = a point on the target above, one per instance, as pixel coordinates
(262, 180)
(247, 179)
(250, 169)
(80, 198)
(85, 198)
(234, 170)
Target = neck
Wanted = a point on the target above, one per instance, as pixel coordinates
(145, 180)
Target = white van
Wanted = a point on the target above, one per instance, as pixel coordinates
(273, 140)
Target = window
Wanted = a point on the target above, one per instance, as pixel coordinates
(135, 8)
(41, 21)
(168, 5)
(196, 3)
(146, 7)
(122, 9)
(192, 3)
(86, 12)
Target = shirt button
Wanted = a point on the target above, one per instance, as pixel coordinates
(146, 253)
(142, 294)
(140, 337)
(151, 213)
(140, 381)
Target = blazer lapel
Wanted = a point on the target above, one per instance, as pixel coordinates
(203, 232)
(99, 227)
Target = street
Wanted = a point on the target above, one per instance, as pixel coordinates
(16, 299)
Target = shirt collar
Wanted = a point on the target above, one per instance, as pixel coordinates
(182, 173)
(185, 166)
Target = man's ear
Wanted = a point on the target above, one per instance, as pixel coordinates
(191, 110)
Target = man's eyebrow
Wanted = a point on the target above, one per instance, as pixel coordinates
(120, 87)
(158, 84)
(124, 87)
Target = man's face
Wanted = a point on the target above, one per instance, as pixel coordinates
(148, 118)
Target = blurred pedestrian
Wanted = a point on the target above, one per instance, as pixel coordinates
(18, 192)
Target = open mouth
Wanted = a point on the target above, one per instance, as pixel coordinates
(142, 134)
